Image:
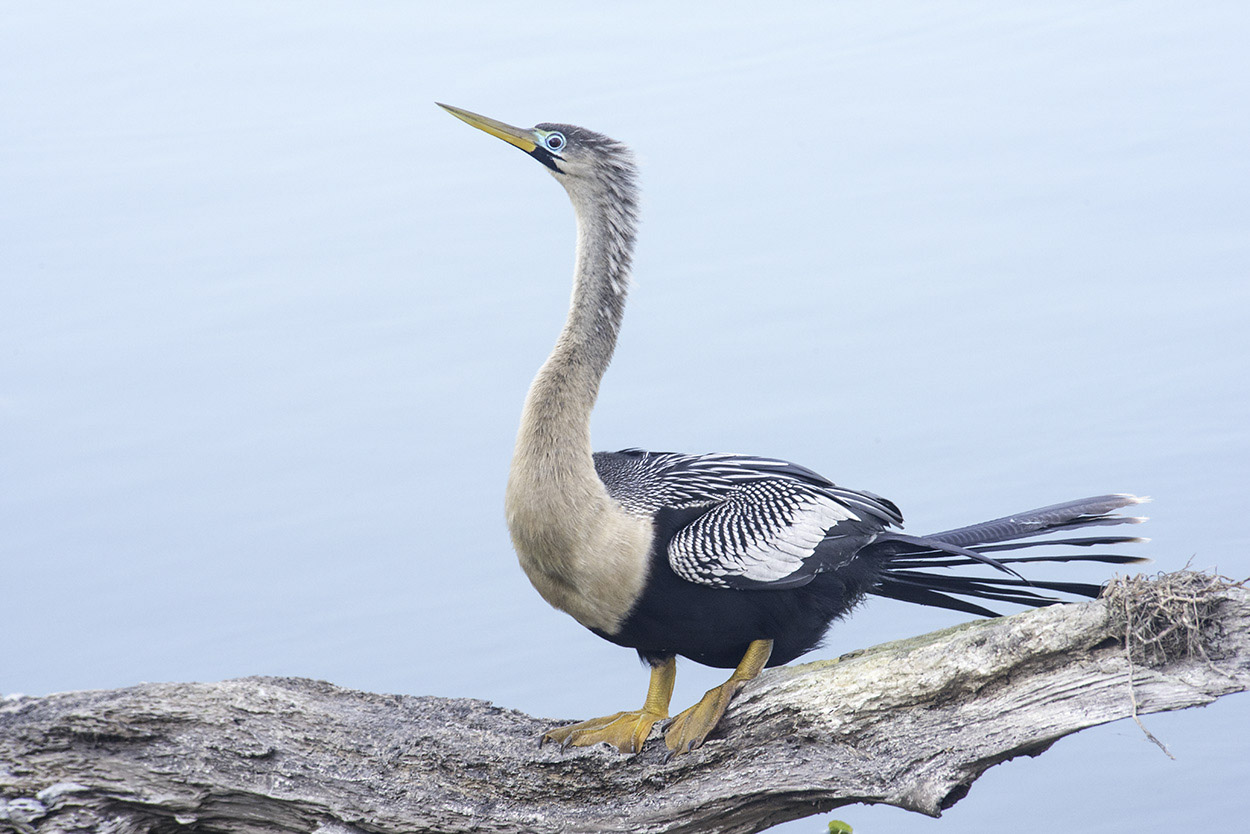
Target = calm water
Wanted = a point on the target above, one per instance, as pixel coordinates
(267, 316)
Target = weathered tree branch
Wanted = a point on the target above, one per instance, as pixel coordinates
(911, 724)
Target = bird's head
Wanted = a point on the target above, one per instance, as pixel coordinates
(576, 156)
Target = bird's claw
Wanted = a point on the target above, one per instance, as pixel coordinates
(690, 728)
(626, 731)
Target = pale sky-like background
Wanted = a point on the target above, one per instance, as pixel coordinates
(267, 316)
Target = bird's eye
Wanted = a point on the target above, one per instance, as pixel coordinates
(554, 141)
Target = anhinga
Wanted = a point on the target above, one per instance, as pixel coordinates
(733, 561)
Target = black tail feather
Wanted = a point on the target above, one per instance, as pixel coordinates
(923, 596)
(1087, 541)
(1108, 558)
(965, 546)
(1084, 512)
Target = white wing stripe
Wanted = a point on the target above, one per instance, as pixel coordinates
(756, 520)
(763, 532)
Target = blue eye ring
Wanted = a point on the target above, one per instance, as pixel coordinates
(555, 141)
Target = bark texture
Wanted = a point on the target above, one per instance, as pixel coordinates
(911, 724)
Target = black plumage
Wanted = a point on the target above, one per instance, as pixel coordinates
(713, 622)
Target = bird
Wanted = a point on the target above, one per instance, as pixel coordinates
(733, 561)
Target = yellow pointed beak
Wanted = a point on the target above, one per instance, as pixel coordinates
(517, 136)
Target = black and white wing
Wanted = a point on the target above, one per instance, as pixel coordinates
(746, 522)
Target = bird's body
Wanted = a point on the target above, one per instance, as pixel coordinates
(698, 604)
(733, 561)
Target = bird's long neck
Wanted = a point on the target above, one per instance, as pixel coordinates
(580, 549)
(555, 424)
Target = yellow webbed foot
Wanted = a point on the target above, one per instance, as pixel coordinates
(626, 731)
(691, 727)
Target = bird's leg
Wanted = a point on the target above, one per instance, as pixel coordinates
(626, 731)
(688, 730)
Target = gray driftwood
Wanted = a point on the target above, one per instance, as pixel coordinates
(911, 724)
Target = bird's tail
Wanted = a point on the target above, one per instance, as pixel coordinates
(906, 559)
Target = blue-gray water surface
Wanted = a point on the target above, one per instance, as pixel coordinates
(267, 316)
